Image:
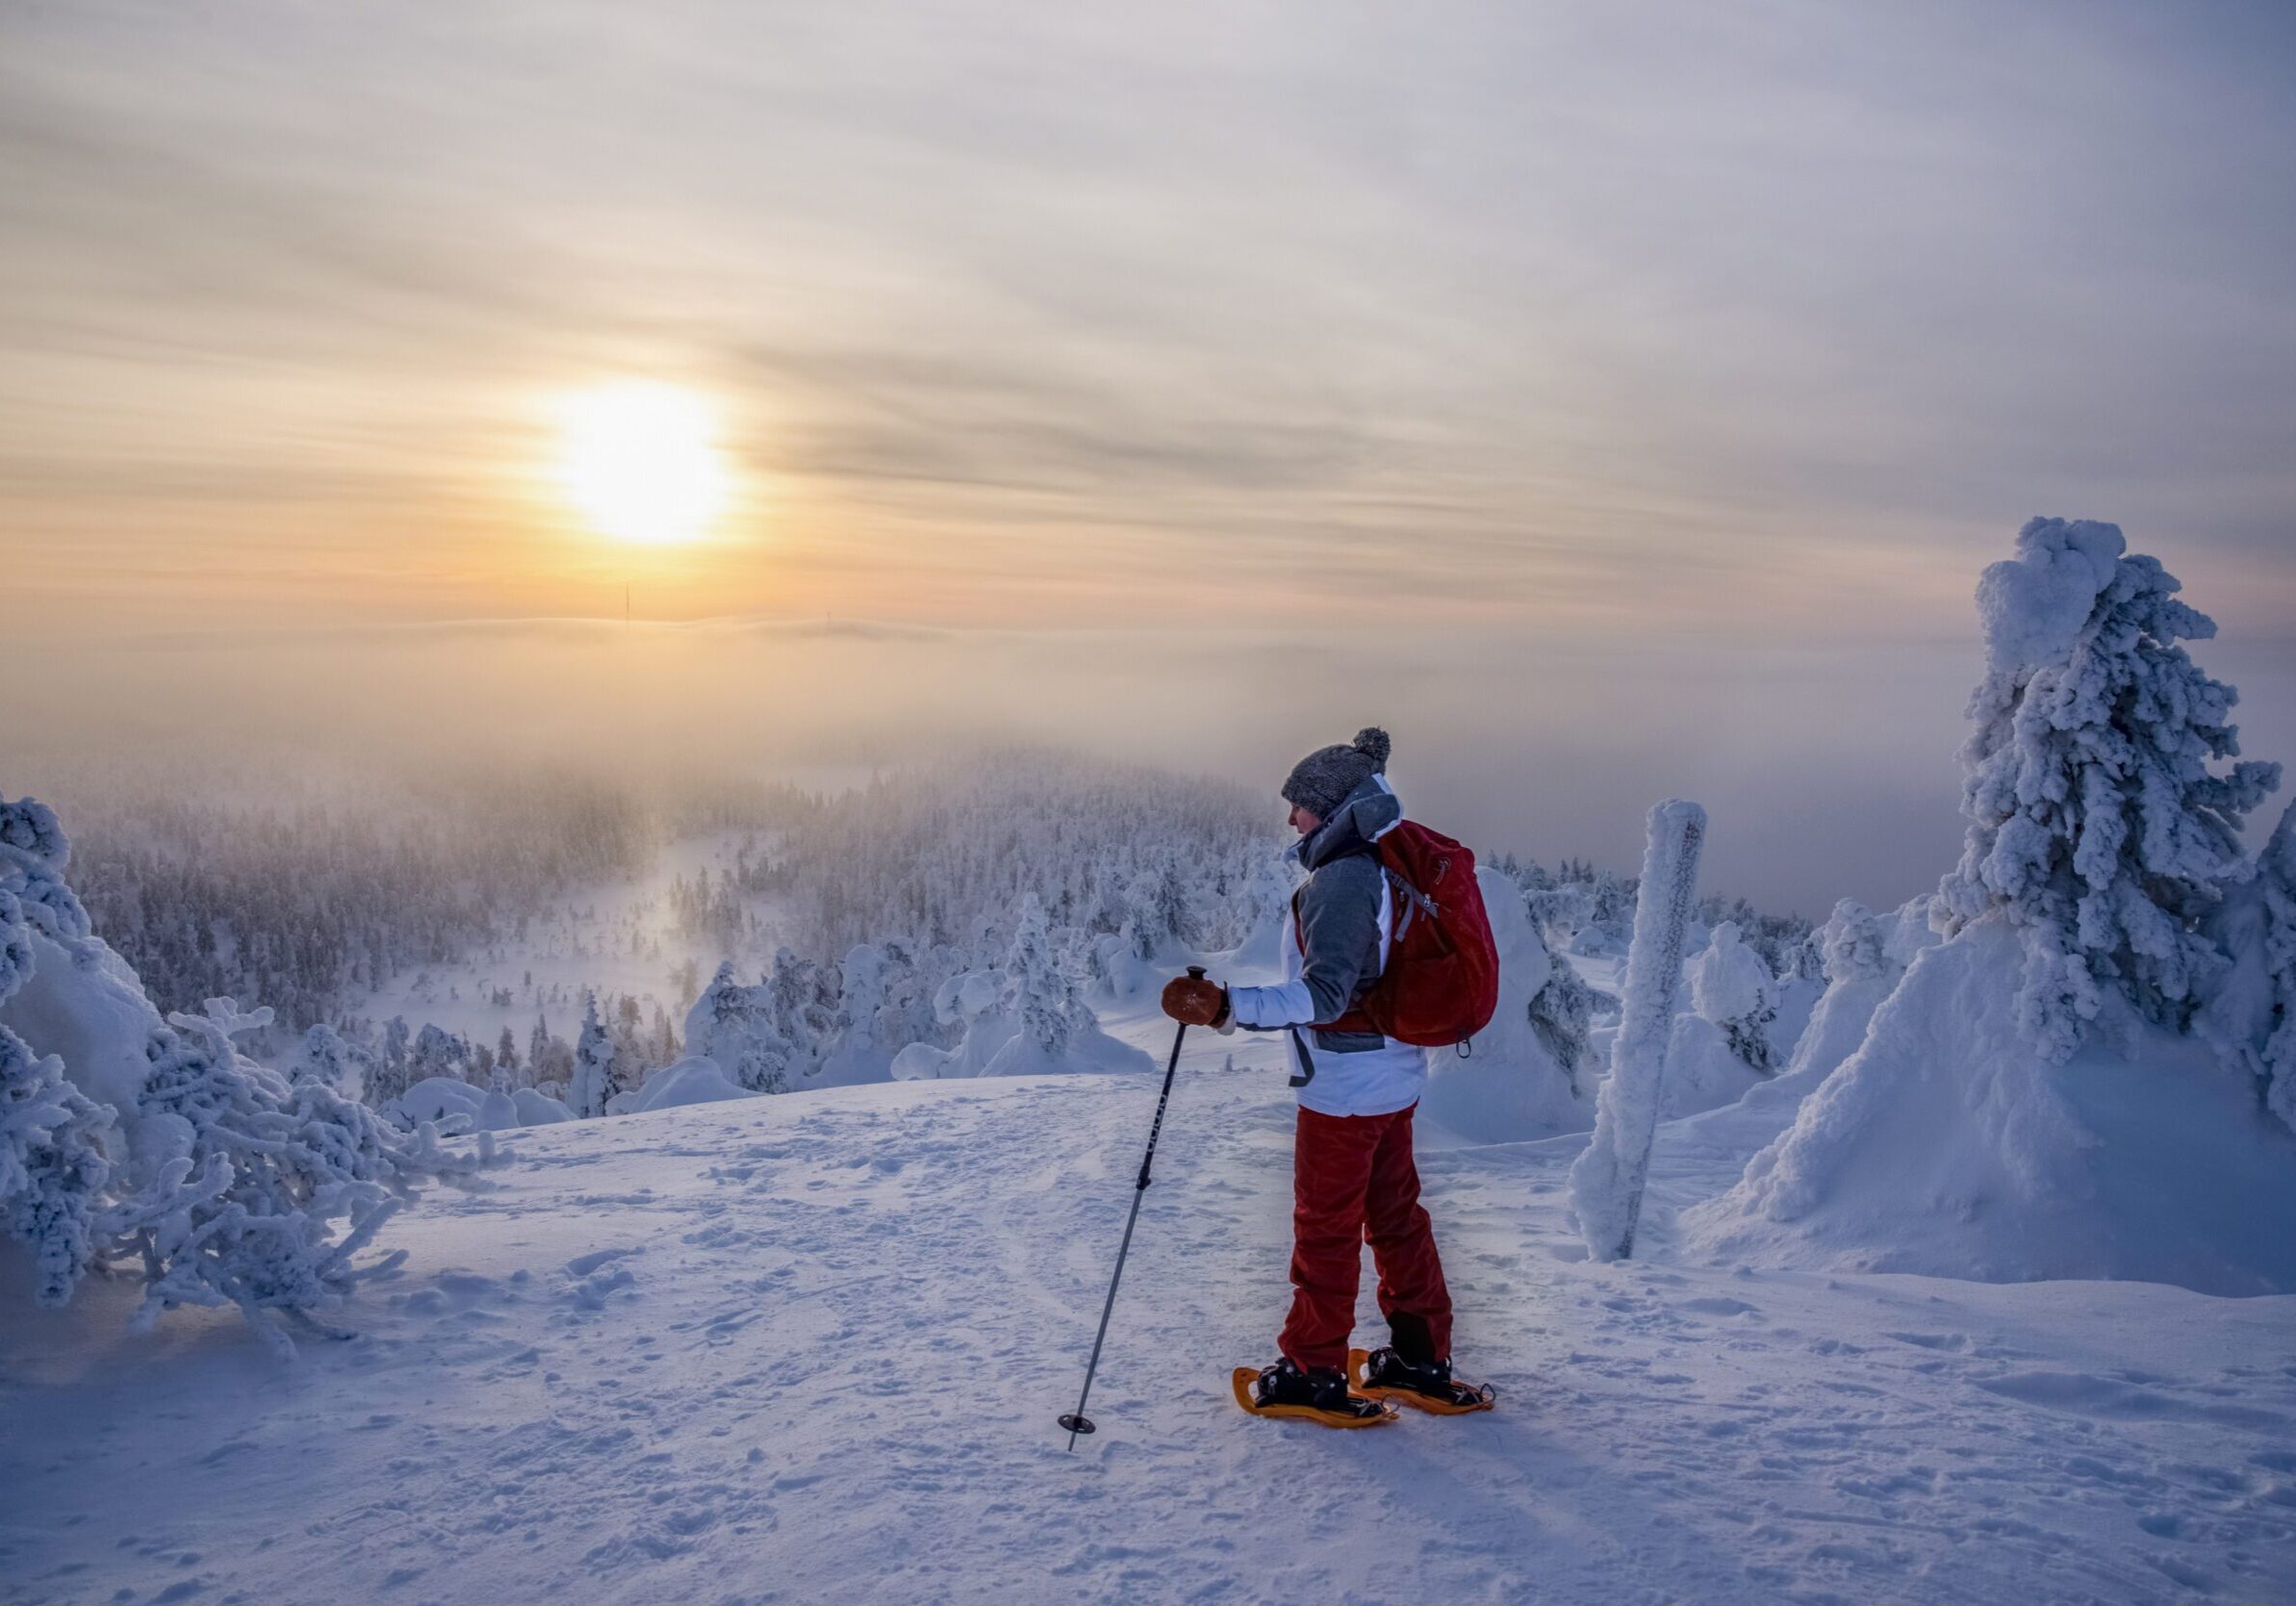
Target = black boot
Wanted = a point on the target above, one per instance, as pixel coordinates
(1321, 1393)
(1385, 1374)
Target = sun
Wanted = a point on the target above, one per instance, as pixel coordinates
(641, 462)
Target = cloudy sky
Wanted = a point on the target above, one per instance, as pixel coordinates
(1739, 319)
(1677, 328)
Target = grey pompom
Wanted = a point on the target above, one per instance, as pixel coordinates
(1373, 744)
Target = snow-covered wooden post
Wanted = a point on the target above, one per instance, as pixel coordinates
(1606, 1185)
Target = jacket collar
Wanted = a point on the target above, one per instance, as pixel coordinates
(1367, 814)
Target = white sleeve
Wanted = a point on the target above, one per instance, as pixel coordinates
(1262, 1008)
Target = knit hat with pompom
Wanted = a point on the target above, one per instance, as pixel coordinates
(1321, 781)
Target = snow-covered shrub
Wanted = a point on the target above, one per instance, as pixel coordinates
(2251, 1015)
(53, 1165)
(1562, 1015)
(323, 1057)
(1849, 943)
(1561, 910)
(1730, 986)
(127, 1138)
(1909, 930)
(246, 1173)
(2095, 820)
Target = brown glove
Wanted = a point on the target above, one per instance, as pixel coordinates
(1195, 1001)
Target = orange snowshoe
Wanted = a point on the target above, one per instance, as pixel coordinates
(1283, 1389)
(1381, 1374)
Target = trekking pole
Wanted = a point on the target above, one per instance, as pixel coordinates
(1076, 1421)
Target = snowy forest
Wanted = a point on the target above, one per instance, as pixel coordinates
(808, 937)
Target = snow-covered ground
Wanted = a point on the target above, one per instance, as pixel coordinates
(812, 1347)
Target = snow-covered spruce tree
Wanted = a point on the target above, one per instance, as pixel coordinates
(1039, 993)
(594, 1072)
(1731, 986)
(391, 1074)
(125, 1137)
(732, 1026)
(803, 1007)
(1849, 943)
(2250, 1016)
(438, 1052)
(2095, 820)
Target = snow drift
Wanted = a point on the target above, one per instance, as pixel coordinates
(1949, 1146)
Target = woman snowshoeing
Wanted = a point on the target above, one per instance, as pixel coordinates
(1354, 1177)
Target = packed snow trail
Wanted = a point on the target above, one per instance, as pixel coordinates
(812, 1347)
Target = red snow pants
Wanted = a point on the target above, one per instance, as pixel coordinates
(1353, 1182)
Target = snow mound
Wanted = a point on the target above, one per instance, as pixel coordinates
(693, 1080)
(1949, 1146)
(538, 1109)
(1703, 1070)
(995, 1045)
(448, 1101)
(1507, 1087)
(456, 1106)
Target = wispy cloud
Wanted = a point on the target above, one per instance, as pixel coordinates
(1758, 321)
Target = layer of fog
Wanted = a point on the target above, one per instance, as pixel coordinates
(1827, 773)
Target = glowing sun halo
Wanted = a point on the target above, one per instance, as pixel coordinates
(641, 461)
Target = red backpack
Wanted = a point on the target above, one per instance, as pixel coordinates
(1441, 985)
